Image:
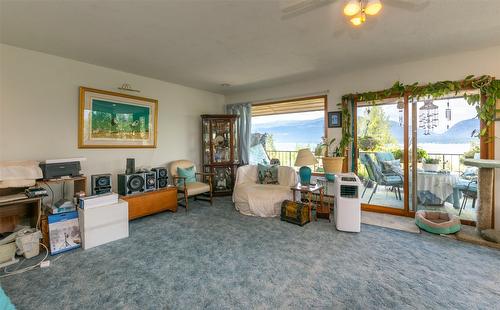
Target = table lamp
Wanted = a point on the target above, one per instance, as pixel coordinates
(305, 158)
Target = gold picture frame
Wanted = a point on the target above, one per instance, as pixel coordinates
(114, 120)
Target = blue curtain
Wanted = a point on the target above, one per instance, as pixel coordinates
(244, 128)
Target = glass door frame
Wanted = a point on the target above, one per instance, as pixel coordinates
(378, 208)
(487, 151)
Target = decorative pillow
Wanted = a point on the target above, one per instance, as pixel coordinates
(188, 173)
(267, 174)
(393, 166)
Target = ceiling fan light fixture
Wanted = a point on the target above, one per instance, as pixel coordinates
(352, 7)
(373, 7)
(358, 19)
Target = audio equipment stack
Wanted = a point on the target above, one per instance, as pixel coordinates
(101, 184)
(161, 177)
(129, 184)
(150, 178)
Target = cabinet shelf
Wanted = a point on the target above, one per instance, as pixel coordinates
(220, 151)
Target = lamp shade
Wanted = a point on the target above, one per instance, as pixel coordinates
(305, 158)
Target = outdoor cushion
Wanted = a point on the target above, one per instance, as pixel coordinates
(392, 166)
(393, 180)
(463, 183)
(384, 156)
(437, 222)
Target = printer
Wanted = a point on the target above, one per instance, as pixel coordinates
(57, 168)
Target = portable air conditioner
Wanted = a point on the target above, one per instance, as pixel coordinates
(347, 215)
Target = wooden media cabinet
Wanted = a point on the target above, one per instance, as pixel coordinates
(148, 203)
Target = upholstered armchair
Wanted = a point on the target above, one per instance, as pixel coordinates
(202, 186)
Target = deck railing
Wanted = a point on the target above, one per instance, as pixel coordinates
(286, 158)
(449, 161)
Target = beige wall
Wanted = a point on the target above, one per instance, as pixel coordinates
(39, 112)
(451, 67)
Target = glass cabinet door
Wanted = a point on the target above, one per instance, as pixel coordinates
(235, 142)
(221, 151)
(223, 181)
(206, 141)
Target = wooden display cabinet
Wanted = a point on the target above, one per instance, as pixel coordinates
(220, 151)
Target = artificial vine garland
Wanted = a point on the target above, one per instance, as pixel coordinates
(487, 85)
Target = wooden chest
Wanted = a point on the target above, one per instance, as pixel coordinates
(148, 203)
(295, 212)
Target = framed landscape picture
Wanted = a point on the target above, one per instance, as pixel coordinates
(334, 119)
(114, 120)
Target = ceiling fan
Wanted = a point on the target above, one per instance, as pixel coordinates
(356, 10)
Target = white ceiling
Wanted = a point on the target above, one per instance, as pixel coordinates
(245, 43)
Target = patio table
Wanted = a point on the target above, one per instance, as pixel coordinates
(439, 184)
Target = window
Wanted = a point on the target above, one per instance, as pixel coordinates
(280, 129)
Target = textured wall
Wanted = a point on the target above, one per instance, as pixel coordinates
(40, 112)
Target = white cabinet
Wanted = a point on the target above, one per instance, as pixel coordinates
(103, 224)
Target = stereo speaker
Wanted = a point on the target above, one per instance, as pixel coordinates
(161, 177)
(150, 178)
(101, 184)
(130, 166)
(129, 184)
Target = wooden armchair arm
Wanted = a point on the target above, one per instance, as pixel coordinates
(209, 175)
(175, 178)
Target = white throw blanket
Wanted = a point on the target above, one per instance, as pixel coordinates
(19, 173)
(264, 200)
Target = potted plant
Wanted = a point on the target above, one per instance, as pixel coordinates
(332, 156)
(431, 164)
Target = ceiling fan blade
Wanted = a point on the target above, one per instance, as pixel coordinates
(414, 6)
(292, 8)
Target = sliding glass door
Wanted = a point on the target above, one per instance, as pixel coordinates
(446, 133)
(410, 155)
(380, 138)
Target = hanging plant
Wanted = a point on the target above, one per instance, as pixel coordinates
(487, 86)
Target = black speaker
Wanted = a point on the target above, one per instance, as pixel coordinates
(150, 178)
(161, 177)
(130, 166)
(129, 184)
(101, 184)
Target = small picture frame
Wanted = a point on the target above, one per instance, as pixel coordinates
(335, 119)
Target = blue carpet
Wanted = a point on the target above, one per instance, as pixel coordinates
(215, 258)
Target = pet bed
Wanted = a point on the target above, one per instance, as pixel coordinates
(437, 222)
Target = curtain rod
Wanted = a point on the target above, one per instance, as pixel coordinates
(318, 93)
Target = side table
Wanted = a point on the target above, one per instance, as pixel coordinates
(309, 190)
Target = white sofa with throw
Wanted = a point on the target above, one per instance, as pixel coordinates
(264, 200)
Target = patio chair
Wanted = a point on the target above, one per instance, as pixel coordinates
(470, 191)
(467, 185)
(375, 174)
